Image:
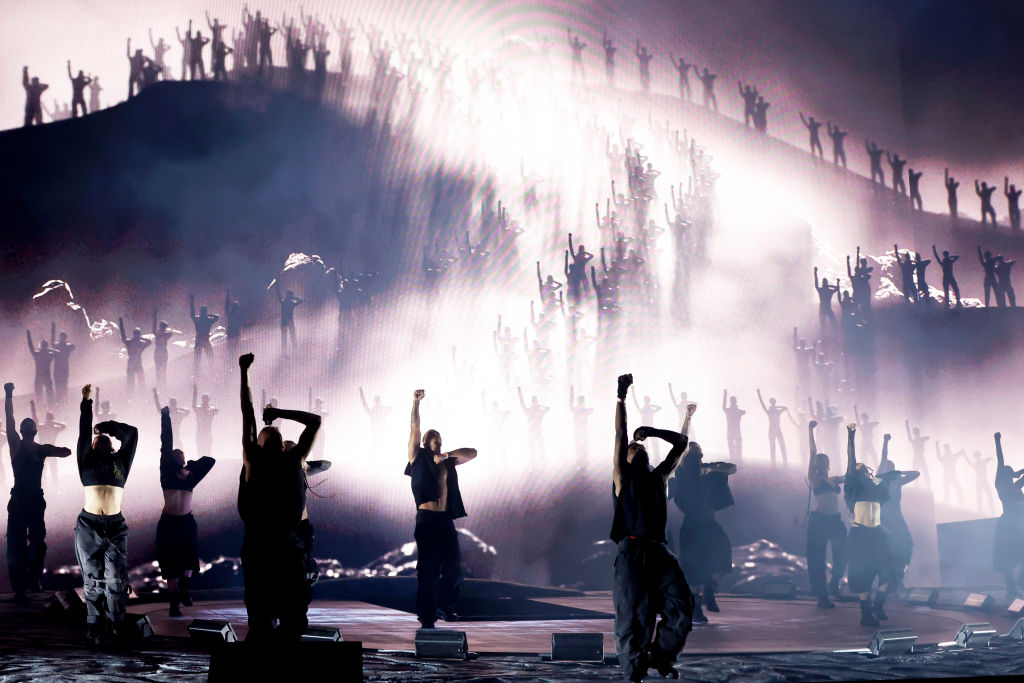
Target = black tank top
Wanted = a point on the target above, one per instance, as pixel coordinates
(423, 472)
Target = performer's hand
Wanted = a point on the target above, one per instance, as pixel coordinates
(812, 424)
(625, 381)
(245, 360)
(886, 437)
(641, 433)
(86, 392)
(418, 394)
(9, 388)
(852, 427)
(999, 435)
(691, 408)
(269, 414)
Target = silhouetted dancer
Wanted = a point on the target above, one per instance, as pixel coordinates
(534, 413)
(94, 92)
(435, 489)
(838, 137)
(813, 127)
(1003, 284)
(204, 413)
(216, 31)
(43, 360)
(33, 98)
(203, 324)
(288, 303)
(644, 58)
(907, 269)
(920, 265)
(981, 483)
(176, 533)
(266, 56)
(951, 185)
(218, 61)
(825, 292)
(48, 431)
(733, 415)
(707, 79)
(950, 481)
(26, 528)
(875, 154)
(271, 500)
(186, 48)
(774, 413)
(135, 63)
(867, 434)
(948, 279)
(917, 444)
(160, 48)
(683, 69)
(577, 46)
(988, 263)
(1012, 202)
(609, 58)
(868, 545)
(101, 536)
(178, 414)
(78, 84)
(232, 320)
(901, 544)
(61, 362)
(749, 94)
(761, 114)
(580, 417)
(984, 192)
(648, 580)
(378, 413)
(548, 288)
(134, 346)
(196, 69)
(860, 282)
(897, 165)
(648, 412)
(1008, 545)
(824, 525)
(915, 188)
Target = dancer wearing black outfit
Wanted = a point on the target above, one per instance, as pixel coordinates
(868, 543)
(948, 279)
(648, 579)
(43, 359)
(435, 488)
(61, 362)
(271, 499)
(824, 526)
(134, 346)
(1008, 552)
(901, 544)
(26, 529)
(203, 323)
(176, 532)
(101, 536)
(162, 334)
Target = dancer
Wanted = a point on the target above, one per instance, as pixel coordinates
(951, 185)
(534, 413)
(860, 282)
(203, 323)
(176, 532)
(733, 415)
(94, 93)
(648, 411)
(813, 127)
(644, 58)
(43, 360)
(135, 63)
(26, 528)
(948, 279)
(609, 58)
(160, 48)
(287, 303)
(101, 536)
(825, 292)
(435, 488)
(868, 546)
(838, 136)
(867, 435)
(204, 413)
(749, 94)
(378, 413)
(897, 165)
(707, 79)
(1013, 202)
(1003, 284)
(577, 46)
(914, 180)
(875, 154)
(61, 362)
(48, 432)
(1008, 550)
(78, 84)
(684, 76)
(901, 543)
(33, 98)
(580, 415)
(134, 348)
(988, 264)
(984, 192)
(906, 265)
(271, 500)
(648, 580)
(824, 526)
(949, 478)
(186, 47)
(162, 334)
(917, 444)
(774, 413)
(983, 492)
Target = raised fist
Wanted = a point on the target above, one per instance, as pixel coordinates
(245, 360)
(625, 381)
(9, 388)
(852, 427)
(87, 392)
(418, 394)
(641, 433)
(812, 424)
(999, 435)
(691, 408)
(887, 437)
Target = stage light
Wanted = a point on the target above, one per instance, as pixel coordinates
(979, 601)
(1016, 607)
(211, 632)
(1016, 631)
(577, 647)
(922, 596)
(441, 644)
(898, 641)
(779, 590)
(317, 634)
(975, 635)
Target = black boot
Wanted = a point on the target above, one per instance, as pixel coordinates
(709, 596)
(866, 617)
(825, 603)
(698, 613)
(879, 607)
(173, 597)
(186, 599)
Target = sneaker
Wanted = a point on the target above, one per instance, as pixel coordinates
(665, 670)
(825, 603)
(879, 611)
(698, 615)
(447, 614)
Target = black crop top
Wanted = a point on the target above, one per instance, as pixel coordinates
(423, 472)
(102, 469)
(169, 469)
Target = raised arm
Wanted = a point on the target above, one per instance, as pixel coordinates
(124, 337)
(166, 433)
(851, 449)
(31, 346)
(310, 424)
(84, 425)
(414, 424)
(672, 396)
(13, 440)
(192, 305)
(679, 441)
(248, 414)
(980, 257)
(621, 443)
(761, 401)
(362, 398)
(999, 451)
(725, 395)
(156, 400)
(885, 446)
(849, 272)
(812, 470)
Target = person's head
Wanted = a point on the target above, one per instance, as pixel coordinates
(376, 401)
(917, 431)
(28, 428)
(988, 254)
(44, 345)
(63, 337)
(865, 470)
(136, 333)
(580, 250)
(202, 310)
(178, 457)
(289, 293)
(1005, 472)
(863, 417)
(163, 325)
(647, 400)
(977, 455)
(821, 463)
(636, 454)
(432, 440)
(49, 418)
(205, 400)
(917, 256)
(35, 80)
(270, 440)
(771, 401)
(732, 401)
(101, 444)
(693, 450)
(172, 403)
(534, 401)
(105, 406)
(863, 263)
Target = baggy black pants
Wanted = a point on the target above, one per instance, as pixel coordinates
(822, 530)
(438, 564)
(26, 534)
(649, 582)
(276, 588)
(101, 545)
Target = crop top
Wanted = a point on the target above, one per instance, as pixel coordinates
(425, 489)
(169, 469)
(104, 469)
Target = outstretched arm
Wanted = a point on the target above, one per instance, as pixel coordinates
(851, 450)
(414, 424)
(192, 305)
(999, 452)
(725, 394)
(885, 446)
(811, 468)
(124, 337)
(166, 433)
(621, 443)
(679, 441)
(156, 400)
(31, 346)
(309, 421)
(84, 425)
(248, 414)
(13, 440)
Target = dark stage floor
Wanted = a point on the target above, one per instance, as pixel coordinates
(750, 640)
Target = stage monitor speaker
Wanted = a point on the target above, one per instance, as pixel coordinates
(321, 661)
(140, 626)
(979, 601)
(317, 634)
(898, 641)
(779, 590)
(208, 632)
(441, 644)
(922, 596)
(65, 604)
(1017, 630)
(975, 635)
(577, 647)
(1016, 607)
